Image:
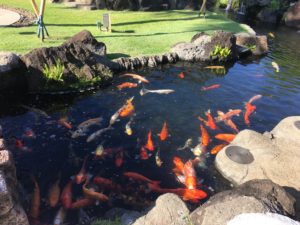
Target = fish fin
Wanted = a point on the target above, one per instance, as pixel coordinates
(143, 91)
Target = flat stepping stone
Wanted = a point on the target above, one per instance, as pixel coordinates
(8, 17)
(273, 155)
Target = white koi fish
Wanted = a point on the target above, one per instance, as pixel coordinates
(144, 91)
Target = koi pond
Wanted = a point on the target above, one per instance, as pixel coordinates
(50, 136)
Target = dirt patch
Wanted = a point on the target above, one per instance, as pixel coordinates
(27, 17)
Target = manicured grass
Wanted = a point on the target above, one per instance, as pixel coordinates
(134, 33)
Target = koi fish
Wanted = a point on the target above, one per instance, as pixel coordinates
(126, 85)
(19, 143)
(136, 77)
(232, 125)
(198, 149)
(164, 132)
(143, 153)
(128, 129)
(119, 159)
(158, 159)
(214, 67)
(98, 133)
(28, 133)
(144, 91)
(149, 145)
(249, 110)
(211, 87)
(271, 35)
(106, 183)
(37, 111)
(139, 177)
(188, 143)
(127, 109)
(99, 151)
(181, 75)
(190, 175)
(92, 194)
(275, 66)
(35, 200)
(179, 165)
(81, 203)
(224, 116)
(54, 193)
(66, 195)
(193, 195)
(60, 217)
(254, 98)
(82, 175)
(225, 137)
(217, 148)
(210, 121)
(114, 118)
(205, 138)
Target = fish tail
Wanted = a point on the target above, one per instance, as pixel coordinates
(156, 183)
(143, 91)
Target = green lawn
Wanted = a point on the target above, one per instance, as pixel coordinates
(134, 33)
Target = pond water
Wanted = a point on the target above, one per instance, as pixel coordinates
(54, 154)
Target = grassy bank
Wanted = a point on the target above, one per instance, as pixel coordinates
(134, 33)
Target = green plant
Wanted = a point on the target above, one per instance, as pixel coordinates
(55, 72)
(250, 47)
(107, 222)
(275, 4)
(221, 52)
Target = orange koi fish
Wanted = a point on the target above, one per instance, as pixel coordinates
(249, 110)
(136, 77)
(126, 85)
(193, 195)
(225, 116)
(19, 143)
(205, 138)
(143, 153)
(227, 119)
(82, 175)
(179, 165)
(66, 195)
(210, 121)
(181, 75)
(164, 132)
(81, 203)
(35, 200)
(149, 145)
(119, 159)
(214, 67)
(91, 193)
(190, 175)
(211, 87)
(127, 109)
(29, 133)
(225, 137)
(106, 183)
(217, 148)
(231, 124)
(53, 194)
(139, 177)
(64, 122)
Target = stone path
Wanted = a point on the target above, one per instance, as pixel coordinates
(8, 17)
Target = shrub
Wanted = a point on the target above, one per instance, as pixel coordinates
(55, 72)
(221, 52)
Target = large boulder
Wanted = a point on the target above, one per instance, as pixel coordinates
(82, 56)
(257, 196)
(169, 209)
(274, 155)
(260, 42)
(292, 17)
(202, 45)
(269, 15)
(12, 73)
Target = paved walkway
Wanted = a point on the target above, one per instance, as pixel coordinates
(8, 17)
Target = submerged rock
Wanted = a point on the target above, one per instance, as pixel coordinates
(257, 196)
(292, 17)
(82, 56)
(169, 209)
(275, 155)
(12, 71)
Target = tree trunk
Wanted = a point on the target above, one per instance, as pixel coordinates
(229, 5)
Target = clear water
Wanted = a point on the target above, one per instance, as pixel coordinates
(54, 152)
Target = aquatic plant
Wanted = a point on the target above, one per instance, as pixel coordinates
(250, 47)
(54, 72)
(221, 52)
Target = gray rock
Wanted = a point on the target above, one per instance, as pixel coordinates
(260, 42)
(82, 56)
(257, 196)
(292, 17)
(12, 71)
(169, 209)
(268, 15)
